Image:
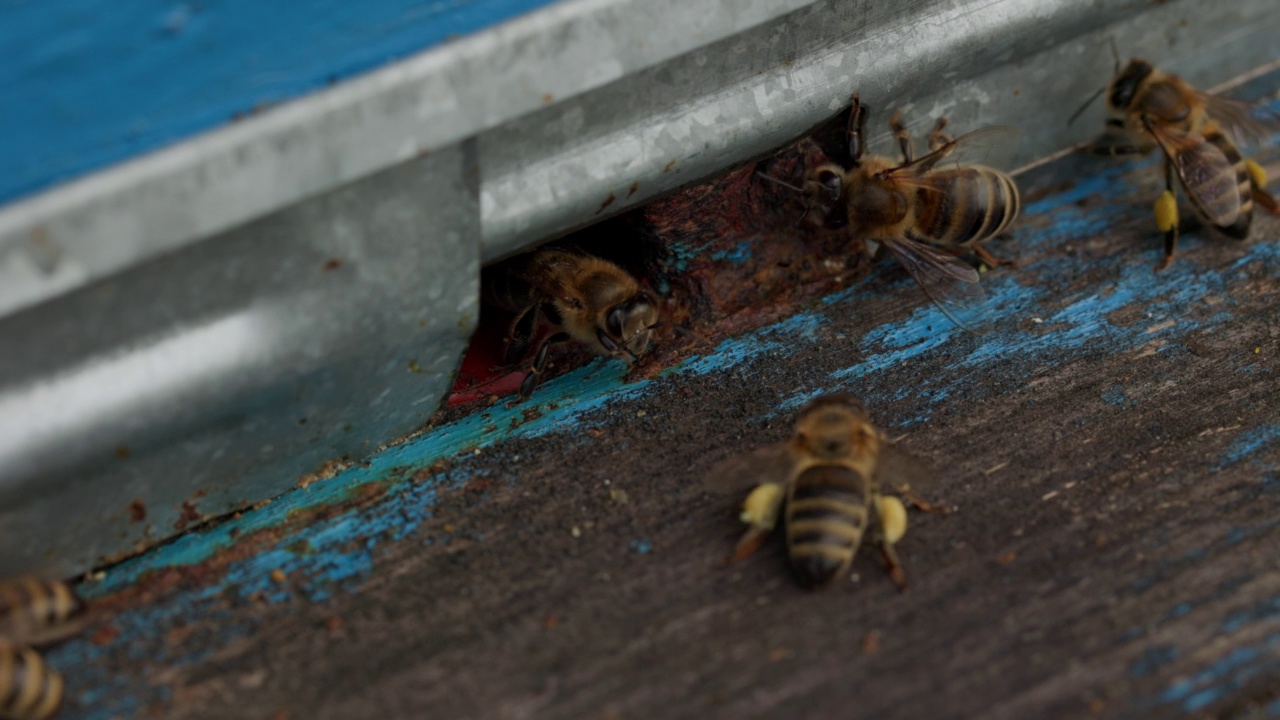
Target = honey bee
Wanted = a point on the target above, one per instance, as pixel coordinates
(584, 298)
(831, 477)
(924, 213)
(33, 613)
(29, 689)
(37, 612)
(1148, 108)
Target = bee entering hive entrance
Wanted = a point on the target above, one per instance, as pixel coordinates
(711, 261)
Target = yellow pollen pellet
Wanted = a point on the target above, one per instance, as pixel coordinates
(761, 506)
(1166, 212)
(893, 518)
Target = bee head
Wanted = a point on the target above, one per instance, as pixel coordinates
(628, 326)
(1124, 86)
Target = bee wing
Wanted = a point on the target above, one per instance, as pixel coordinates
(771, 463)
(1206, 174)
(901, 471)
(990, 146)
(951, 283)
(1245, 121)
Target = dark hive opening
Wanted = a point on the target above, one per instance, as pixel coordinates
(720, 257)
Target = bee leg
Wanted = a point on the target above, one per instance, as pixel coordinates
(891, 525)
(520, 334)
(539, 363)
(1166, 209)
(988, 259)
(893, 565)
(922, 504)
(856, 129)
(1258, 178)
(759, 511)
(903, 137)
(937, 138)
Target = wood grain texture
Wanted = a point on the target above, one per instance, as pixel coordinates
(1112, 443)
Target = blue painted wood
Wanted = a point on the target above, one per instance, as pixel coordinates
(1047, 323)
(86, 83)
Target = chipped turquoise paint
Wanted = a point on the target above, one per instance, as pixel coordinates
(737, 255)
(89, 83)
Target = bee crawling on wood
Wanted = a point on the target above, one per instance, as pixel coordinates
(583, 298)
(831, 480)
(33, 613)
(1148, 108)
(924, 210)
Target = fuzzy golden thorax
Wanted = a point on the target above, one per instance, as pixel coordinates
(832, 431)
(875, 204)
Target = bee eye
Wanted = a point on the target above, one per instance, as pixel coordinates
(613, 321)
(831, 183)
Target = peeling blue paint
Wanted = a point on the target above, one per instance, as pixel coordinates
(1249, 443)
(737, 255)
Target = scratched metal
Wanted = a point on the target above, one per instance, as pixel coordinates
(1111, 443)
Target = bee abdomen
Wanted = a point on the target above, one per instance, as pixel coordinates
(826, 516)
(976, 204)
(29, 689)
(35, 611)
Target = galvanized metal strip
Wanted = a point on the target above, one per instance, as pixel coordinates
(1024, 63)
(211, 379)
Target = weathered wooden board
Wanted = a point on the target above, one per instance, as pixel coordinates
(1112, 443)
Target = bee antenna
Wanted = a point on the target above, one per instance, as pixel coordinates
(783, 183)
(1086, 104)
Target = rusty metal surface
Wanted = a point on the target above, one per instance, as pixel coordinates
(1112, 445)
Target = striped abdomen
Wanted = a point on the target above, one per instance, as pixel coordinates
(1214, 197)
(506, 290)
(964, 205)
(826, 514)
(29, 689)
(35, 611)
